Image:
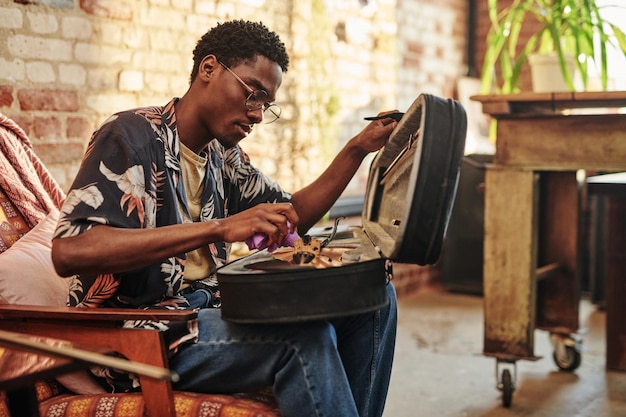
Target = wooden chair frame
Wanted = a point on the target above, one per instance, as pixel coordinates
(102, 328)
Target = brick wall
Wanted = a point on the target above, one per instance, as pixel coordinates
(66, 65)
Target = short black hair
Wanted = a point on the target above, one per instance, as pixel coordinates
(238, 41)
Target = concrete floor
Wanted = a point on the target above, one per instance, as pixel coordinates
(439, 370)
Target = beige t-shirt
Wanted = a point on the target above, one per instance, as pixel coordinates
(199, 262)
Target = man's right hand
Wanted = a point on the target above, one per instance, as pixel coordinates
(275, 220)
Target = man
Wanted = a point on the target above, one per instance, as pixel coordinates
(163, 191)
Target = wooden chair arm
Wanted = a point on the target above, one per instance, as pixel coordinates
(78, 356)
(101, 328)
(105, 317)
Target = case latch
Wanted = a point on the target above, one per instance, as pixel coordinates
(388, 270)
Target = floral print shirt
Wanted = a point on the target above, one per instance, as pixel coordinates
(130, 177)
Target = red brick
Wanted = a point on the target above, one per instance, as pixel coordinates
(55, 100)
(415, 48)
(78, 127)
(60, 152)
(112, 9)
(411, 62)
(22, 120)
(6, 95)
(48, 127)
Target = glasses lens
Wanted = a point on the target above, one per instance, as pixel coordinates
(256, 99)
(271, 113)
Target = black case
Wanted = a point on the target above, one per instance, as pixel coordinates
(411, 188)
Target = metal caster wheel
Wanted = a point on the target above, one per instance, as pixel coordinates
(567, 358)
(507, 388)
(567, 351)
(506, 383)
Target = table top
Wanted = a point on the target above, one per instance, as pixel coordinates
(556, 102)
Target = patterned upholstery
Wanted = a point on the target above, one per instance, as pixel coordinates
(186, 404)
(23, 177)
(56, 401)
(12, 223)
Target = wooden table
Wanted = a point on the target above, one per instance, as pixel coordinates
(532, 211)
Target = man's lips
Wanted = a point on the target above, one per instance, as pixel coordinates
(247, 128)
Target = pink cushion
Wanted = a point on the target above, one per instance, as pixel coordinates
(27, 275)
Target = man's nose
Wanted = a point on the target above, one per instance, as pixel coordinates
(257, 115)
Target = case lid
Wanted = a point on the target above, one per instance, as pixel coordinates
(413, 180)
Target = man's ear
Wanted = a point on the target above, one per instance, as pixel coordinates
(207, 66)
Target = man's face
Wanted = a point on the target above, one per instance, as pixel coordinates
(231, 119)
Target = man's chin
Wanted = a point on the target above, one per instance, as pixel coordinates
(229, 143)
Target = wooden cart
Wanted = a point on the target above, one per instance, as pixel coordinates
(532, 217)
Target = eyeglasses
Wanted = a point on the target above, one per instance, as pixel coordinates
(258, 99)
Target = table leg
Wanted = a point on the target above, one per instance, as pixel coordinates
(510, 261)
(558, 296)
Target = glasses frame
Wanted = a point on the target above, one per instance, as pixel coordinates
(252, 103)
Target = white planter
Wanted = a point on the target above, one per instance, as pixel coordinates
(545, 72)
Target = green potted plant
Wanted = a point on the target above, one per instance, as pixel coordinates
(566, 28)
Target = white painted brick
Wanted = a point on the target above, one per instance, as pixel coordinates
(87, 52)
(205, 7)
(226, 10)
(159, 61)
(76, 28)
(179, 84)
(163, 18)
(102, 78)
(130, 80)
(163, 40)
(42, 23)
(14, 70)
(40, 72)
(160, 99)
(156, 81)
(185, 5)
(72, 74)
(199, 24)
(39, 48)
(111, 103)
(135, 37)
(11, 18)
(108, 33)
(92, 53)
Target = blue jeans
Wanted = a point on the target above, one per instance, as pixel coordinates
(340, 367)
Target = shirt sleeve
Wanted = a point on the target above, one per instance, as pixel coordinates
(110, 186)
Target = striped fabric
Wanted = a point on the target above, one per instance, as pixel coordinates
(23, 177)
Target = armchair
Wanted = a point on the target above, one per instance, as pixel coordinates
(101, 328)
(32, 301)
(31, 359)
